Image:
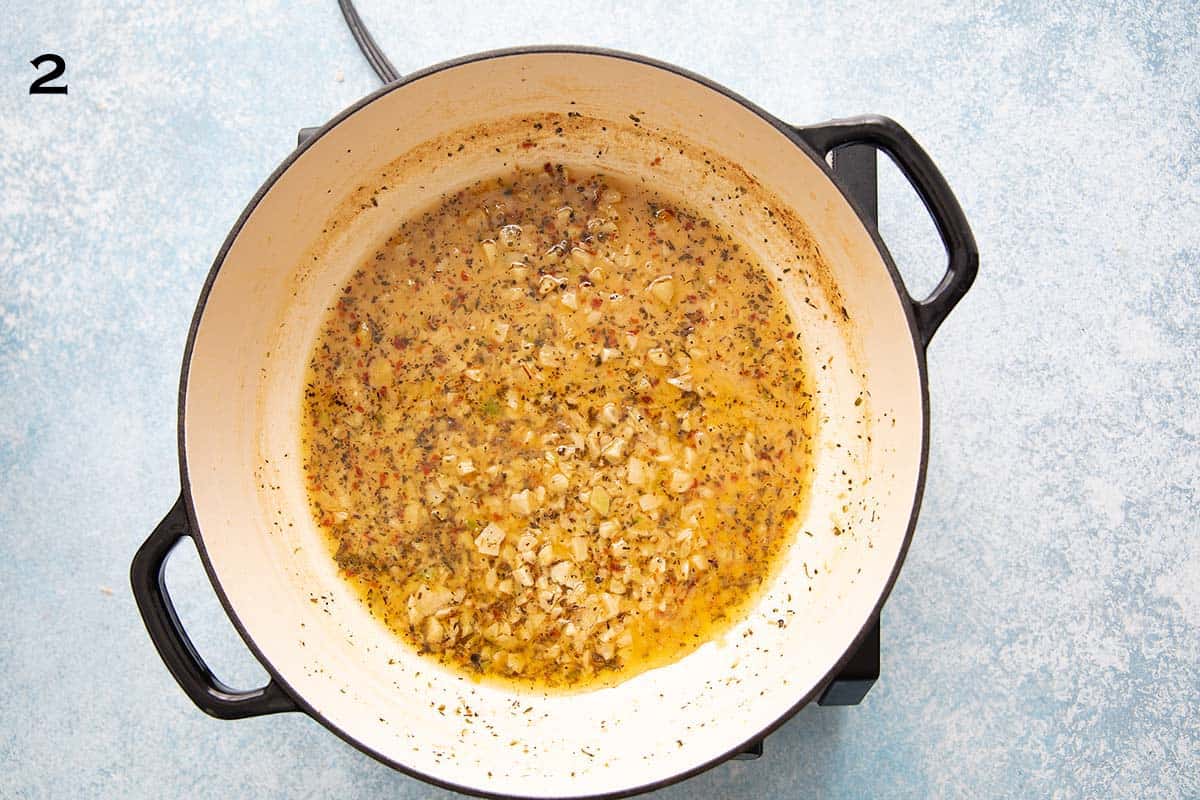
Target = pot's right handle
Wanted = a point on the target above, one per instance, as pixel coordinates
(195, 678)
(886, 134)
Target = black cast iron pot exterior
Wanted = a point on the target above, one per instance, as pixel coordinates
(816, 141)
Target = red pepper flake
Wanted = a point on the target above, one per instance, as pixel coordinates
(465, 277)
(383, 476)
(548, 168)
(525, 145)
(597, 302)
(656, 161)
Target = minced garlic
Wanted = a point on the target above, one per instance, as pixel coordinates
(558, 429)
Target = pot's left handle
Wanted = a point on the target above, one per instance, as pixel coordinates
(147, 574)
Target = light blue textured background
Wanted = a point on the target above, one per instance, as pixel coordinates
(1044, 637)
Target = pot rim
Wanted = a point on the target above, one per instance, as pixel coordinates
(788, 131)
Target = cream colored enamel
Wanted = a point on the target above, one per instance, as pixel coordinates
(242, 413)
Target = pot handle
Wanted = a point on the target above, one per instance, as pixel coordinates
(886, 134)
(147, 574)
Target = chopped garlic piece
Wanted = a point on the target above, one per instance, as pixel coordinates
(521, 502)
(563, 572)
(614, 451)
(599, 500)
(489, 539)
(649, 502)
(662, 289)
(580, 256)
(523, 576)
(510, 234)
(433, 630)
(527, 542)
(680, 481)
(610, 604)
(635, 471)
(489, 251)
(558, 483)
(681, 382)
(550, 356)
(579, 549)
(610, 413)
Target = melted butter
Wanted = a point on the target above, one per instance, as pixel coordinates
(557, 430)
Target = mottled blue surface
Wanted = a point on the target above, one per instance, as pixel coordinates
(1044, 637)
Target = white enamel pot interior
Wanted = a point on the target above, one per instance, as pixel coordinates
(316, 220)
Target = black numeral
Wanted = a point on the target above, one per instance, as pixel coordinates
(56, 71)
